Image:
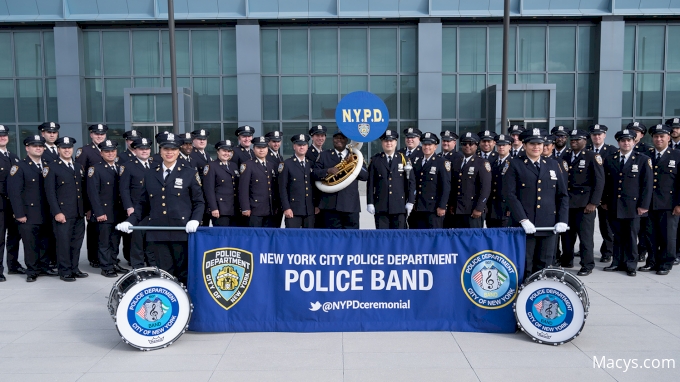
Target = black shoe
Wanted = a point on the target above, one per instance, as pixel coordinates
(30, 279)
(80, 275)
(611, 268)
(631, 273)
(52, 266)
(642, 256)
(2, 278)
(677, 261)
(110, 273)
(68, 278)
(584, 272)
(19, 271)
(662, 272)
(646, 268)
(605, 259)
(120, 269)
(49, 272)
(567, 265)
(94, 264)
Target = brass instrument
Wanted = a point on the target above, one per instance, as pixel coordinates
(348, 170)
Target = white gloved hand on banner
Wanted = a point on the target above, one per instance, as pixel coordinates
(124, 227)
(192, 226)
(409, 208)
(529, 227)
(560, 227)
(371, 209)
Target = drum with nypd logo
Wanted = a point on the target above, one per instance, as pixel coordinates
(552, 306)
(150, 308)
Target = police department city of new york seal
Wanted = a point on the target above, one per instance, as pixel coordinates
(489, 280)
(227, 273)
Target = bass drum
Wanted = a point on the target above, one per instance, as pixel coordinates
(552, 306)
(150, 307)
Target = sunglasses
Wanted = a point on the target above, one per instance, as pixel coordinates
(468, 144)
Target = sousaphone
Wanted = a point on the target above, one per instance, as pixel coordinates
(349, 169)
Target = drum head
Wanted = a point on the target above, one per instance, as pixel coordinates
(549, 312)
(153, 313)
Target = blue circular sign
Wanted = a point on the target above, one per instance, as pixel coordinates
(362, 116)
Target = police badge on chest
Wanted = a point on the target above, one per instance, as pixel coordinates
(178, 183)
(634, 168)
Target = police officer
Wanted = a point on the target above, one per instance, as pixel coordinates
(318, 134)
(561, 133)
(8, 225)
(31, 211)
(486, 145)
(64, 192)
(549, 147)
(536, 193)
(598, 134)
(433, 185)
(50, 131)
(412, 142)
(172, 197)
(297, 192)
(449, 139)
(497, 208)
(256, 192)
(585, 185)
(470, 186)
(627, 196)
(220, 186)
(88, 156)
(340, 209)
(391, 183)
(186, 150)
(274, 155)
(198, 154)
(640, 130)
(644, 241)
(517, 148)
(243, 151)
(674, 123)
(128, 154)
(662, 225)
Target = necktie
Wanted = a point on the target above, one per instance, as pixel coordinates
(167, 172)
(70, 166)
(463, 165)
(408, 153)
(205, 156)
(573, 158)
(146, 165)
(302, 163)
(54, 151)
(658, 156)
(514, 153)
(263, 164)
(597, 151)
(538, 166)
(7, 154)
(389, 160)
(39, 165)
(623, 161)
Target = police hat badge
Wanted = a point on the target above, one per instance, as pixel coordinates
(364, 129)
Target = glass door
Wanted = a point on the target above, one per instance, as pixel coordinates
(151, 114)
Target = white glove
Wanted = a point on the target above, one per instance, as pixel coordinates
(192, 226)
(124, 227)
(560, 227)
(371, 209)
(529, 227)
(409, 208)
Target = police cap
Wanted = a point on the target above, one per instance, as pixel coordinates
(200, 134)
(429, 138)
(224, 145)
(300, 139)
(516, 129)
(186, 138)
(246, 131)
(448, 135)
(274, 136)
(260, 141)
(411, 132)
(318, 129)
(549, 140)
(502, 139)
(486, 135)
(660, 129)
(625, 133)
(50, 127)
(141, 143)
(132, 135)
(673, 122)
(578, 134)
(469, 137)
(34, 140)
(389, 135)
(533, 136)
(559, 131)
(637, 126)
(98, 128)
(65, 142)
(170, 141)
(108, 145)
(4, 131)
(597, 129)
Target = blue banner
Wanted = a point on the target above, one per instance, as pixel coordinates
(302, 280)
(362, 116)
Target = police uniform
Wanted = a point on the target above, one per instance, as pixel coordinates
(313, 152)
(640, 147)
(644, 240)
(674, 123)
(220, 188)
(256, 190)
(497, 208)
(516, 130)
(390, 187)
(277, 158)
(64, 192)
(537, 197)
(27, 195)
(242, 154)
(448, 135)
(492, 155)
(128, 155)
(627, 188)
(198, 160)
(8, 226)
(560, 131)
(298, 194)
(585, 185)
(433, 185)
(50, 154)
(417, 152)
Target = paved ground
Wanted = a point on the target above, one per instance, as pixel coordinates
(56, 331)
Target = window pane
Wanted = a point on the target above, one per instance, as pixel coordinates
(229, 51)
(350, 84)
(449, 50)
(530, 78)
(470, 126)
(147, 82)
(629, 48)
(93, 61)
(449, 97)
(294, 51)
(472, 102)
(562, 47)
(324, 50)
(673, 94)
(6, 59)
(294, 98)
(206, 99)
(30, 100)
(472, 50)
(27, 55)
(586, 96)
(627, 100)
(537, 104)
(408, 102)
(497, 79)
(229, 131)
(163, 108)
(385, 87)
(182, 82)
(568, 123)
(496, 49)
(181, 52)
(7, 101)
(94, 108)
(270, 98)
(51, 90)
(564, 105)
(588, 46)
(532, 49)
(516, 104)
(270, 49)
(145, 53)
(48, 44)
(648, 95)
(116, 53)
(383, 50)
(229, 99)
(353, 51)
(205, 52)
(115, 110)
(324, 97)
(650, 47)
(673, 48)
(143, 108)
(408, 50)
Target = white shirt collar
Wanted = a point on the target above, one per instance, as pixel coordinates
(143, 161)
(504, 158)
(172, 168)
(343, 152)
(660, 152)
(598, 148)
(300, 159)
(626, 156)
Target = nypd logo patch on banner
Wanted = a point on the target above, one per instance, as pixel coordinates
(489, 280)
(227, 273)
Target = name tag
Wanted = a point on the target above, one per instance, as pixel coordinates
(433, 170)
(400, 167)
(178, 183)
(471, 170)
(671, 163)
(553, 175)
(634, 168)
(582, 163)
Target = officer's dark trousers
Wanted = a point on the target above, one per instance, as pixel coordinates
(389, 221)
(496, 223)
(300, 221)
(320, 221)
(224, 221)
(69, 237)
(9, 227)
(34, 237)
(467, 221)
(540, 253)
(625, 242)
(109, 240)
(171, 256)
(425, 220)
(607, 247)
(581, 225)
(663, 232)
(341, 220)
(644, 239)
(207, 218)
(127, 246)
(262, 221)
(278, 218)
(92, 242)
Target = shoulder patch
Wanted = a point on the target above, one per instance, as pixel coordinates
(566, 165)
(198, 179)
(206, 168)
(598, 159)
(506, 167)
(447, 165)
(243, 167)
(78, 152)
(120, 172)
(280, 168)
(13, 170)
(46, 170)
(487, 166)
(649, 162)
(90, 172)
